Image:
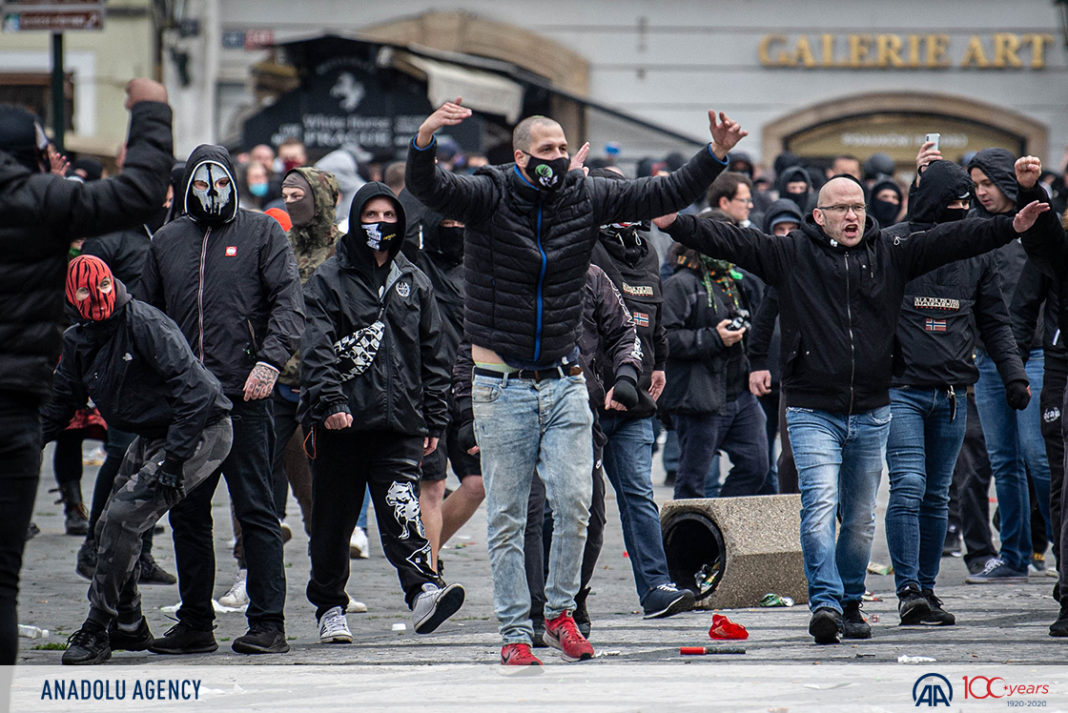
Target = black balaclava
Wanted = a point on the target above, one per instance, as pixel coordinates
(301, 212)
(22, 137)
(885, 212)
(942, 183)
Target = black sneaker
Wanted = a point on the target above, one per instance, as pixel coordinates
(912, 606)
(261, 639)
(951, 547)
(138, 640)
(87, 646)
(938, 615)
(85, 563)
(581, 615)
(667, 600)
(1060, 627)
(181, 639)
(152, 573)
(854, 625)
(825, 625)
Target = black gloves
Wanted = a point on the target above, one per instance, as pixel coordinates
(625, 391)
(169, 474)
(465, 431)
(1018, 394)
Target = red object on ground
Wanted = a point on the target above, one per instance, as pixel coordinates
(724, 628)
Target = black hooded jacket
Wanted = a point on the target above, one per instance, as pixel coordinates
(630, 262)
(526, 250)
(839, 305)
(404, 388)
(796, 174)
(233, 288)
(139, 371)
(42, 214)
(1047, 248)
(764, 342)
(942, 310)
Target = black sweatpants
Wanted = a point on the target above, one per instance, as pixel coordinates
(343, 463)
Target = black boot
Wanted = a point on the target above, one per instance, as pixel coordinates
(77, 519)
(1060, 627)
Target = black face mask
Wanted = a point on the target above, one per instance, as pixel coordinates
(949, 215)
(547, 175)
(382, 236)
(884, 211)
(451, 244)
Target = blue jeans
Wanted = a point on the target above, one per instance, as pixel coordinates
(628, 463)
(839, 460)
(739, 431)
(921, 452)
(1013, 441)
(523, 426)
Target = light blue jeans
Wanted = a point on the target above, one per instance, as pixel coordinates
(522, 427)
(839, 460)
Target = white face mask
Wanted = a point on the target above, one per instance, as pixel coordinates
(212, 202)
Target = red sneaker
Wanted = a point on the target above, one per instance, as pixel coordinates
(561, 633)
(518, 655)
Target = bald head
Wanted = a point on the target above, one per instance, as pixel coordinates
(840, 210)
(521, 135)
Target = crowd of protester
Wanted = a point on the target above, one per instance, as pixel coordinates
(358, 328)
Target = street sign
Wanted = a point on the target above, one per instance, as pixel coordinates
(63, 16)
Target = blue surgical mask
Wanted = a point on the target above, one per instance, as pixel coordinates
(258, 189)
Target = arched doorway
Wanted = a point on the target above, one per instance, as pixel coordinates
(895, 123)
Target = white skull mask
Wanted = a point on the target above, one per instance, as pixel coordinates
(213, 202)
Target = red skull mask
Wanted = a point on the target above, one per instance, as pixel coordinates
(91, 287)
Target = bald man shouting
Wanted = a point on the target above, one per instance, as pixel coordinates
(840, 283)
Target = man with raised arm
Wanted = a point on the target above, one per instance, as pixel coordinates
(840, 281)
(530, 228)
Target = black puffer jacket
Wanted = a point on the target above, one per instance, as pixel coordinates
(942, 309)
(404, 388)
(139, 371)
(527, 250)
(839, 306)
(42, 213)
(233, 288)
(632, 265)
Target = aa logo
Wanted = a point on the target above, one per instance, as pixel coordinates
(932, 690)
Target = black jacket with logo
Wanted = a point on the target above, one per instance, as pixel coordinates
(42, 213)
(404, 388)
(527, 250)
(139, 371)
(943, 309)
(634, 269)
(839, 306)
(233, 289)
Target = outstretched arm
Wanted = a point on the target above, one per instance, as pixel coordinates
(747, 247)
(647, 198)
(469, 199)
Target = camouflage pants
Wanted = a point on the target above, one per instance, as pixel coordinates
(136, 503)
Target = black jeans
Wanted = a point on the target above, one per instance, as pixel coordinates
(971, 485)
(343, 464)
(20, 463)
(248, 477)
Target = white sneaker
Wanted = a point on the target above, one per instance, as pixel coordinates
(237, 596)
(359, 547)
(333, 629)
(355, 607)
(434, 605)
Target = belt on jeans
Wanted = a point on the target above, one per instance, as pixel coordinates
(555, 372)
